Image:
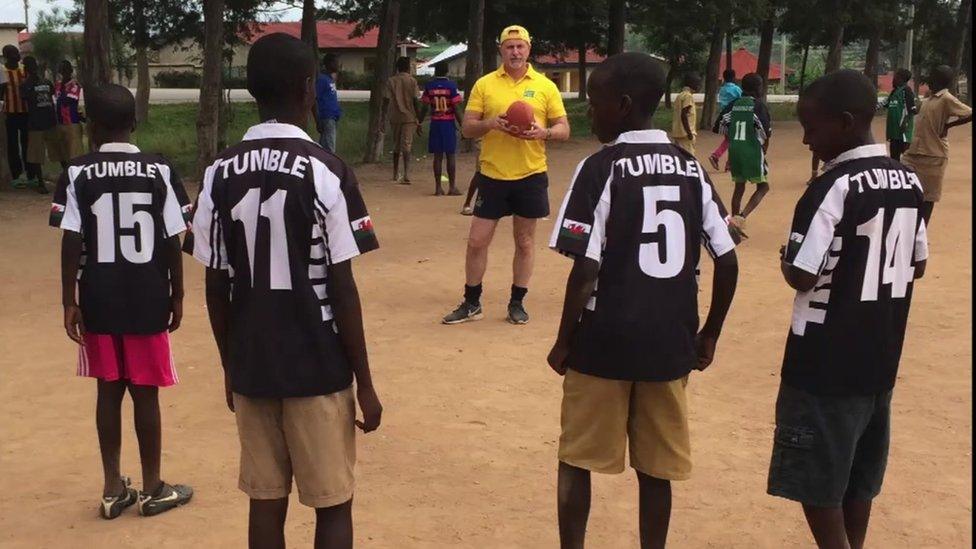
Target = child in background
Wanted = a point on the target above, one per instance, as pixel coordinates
(67, 94)
(42, 133)
(901, 108)
(746, 123)
(122, 211)
(684, 118)
(729, 92)
(441, 97)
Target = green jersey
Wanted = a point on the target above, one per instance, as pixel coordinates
(901, 114)
(746, 124)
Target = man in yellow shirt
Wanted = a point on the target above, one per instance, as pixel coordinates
(684, 118)
(511, 175)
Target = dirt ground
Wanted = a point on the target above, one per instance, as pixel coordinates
(466, 455)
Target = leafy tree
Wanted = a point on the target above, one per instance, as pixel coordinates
(50, 44)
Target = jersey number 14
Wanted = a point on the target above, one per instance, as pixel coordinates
(899, 245)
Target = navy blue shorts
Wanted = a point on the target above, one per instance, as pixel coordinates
(443, 137)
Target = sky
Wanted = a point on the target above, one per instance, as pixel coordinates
(12, 11)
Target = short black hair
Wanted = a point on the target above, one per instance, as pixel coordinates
(278, 67)
(844, 91)
(941, 77)
(30, 64)
(692, 80)
(403, 64)
(752, 83)
(728, 75)
(8, 48)
(111, 106)
(331, 62)
(440, 69)
(636, 75)
(903, 74)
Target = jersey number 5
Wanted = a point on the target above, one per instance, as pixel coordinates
(129, 218)
(899, 244)
(649, 255)
(247, 211)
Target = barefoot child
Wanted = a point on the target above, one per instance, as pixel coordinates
(634, 220)
(729, 92)
(857, 243)
(122, 211)
(746, 123)
(441, 97)
(284, 217)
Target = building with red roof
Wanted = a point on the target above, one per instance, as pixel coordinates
(744, 62)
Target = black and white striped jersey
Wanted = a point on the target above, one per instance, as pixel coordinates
(276, 210)
(643, 208)
(858, 228)
(125, 203)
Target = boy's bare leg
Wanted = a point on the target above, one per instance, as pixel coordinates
(655, 511)
(756, 198)
(573, 494)
(406, 166)
(856, 515)
(145, 404)
(108, 421)
(396, 165)
(266, 523)
(438, 164)
(827, 526)
(452, 181)
(737, 192)
(333, 527)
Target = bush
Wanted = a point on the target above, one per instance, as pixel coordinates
(177, 79)
(353, 81)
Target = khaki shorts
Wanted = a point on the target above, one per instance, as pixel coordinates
(403, 136)
(930, 170)
(686, 144)
(311, 437)
(69, 143)
(41, 145)
(600, 416)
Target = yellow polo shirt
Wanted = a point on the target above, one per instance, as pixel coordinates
(503, 156)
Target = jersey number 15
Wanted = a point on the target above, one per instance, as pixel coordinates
(137, 248)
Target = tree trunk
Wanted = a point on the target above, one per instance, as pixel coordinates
(803, 67)
(208, 116)
(616, 27)
(711, 78)
(98, 65)
(836, 47)
(669, 82)
(728, 48)
(958, 50)
(310, 34)
(142, 84)
(766, 53)
(581, 68)
(873, 56)
(968, 62)
(473, 62)
(489, 48)
(385, 54)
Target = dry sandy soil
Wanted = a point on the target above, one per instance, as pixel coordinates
(466, 453)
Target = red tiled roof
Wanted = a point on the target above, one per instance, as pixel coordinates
(744, 62)
(569, 57)
(331, 34)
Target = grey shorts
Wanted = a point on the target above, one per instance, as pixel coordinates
(828, 449)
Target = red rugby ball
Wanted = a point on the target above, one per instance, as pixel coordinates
(520, 115)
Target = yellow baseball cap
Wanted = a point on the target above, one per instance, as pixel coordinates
(515, 32)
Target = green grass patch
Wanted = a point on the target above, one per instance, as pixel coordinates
(171, 130)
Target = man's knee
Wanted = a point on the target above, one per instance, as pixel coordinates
(524, 243)
(479, 242)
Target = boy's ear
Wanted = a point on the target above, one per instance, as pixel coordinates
(847, 120)
(626, 104)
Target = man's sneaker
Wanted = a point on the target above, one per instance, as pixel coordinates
(464, 312)
(113, 506)
(166, 498)
(516, 313)
(713, 160)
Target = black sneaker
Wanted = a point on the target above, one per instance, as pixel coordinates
(166, 498)
(464, 312)
(113, 506)
(516, 313)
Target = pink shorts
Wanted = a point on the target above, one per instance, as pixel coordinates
(140, 359)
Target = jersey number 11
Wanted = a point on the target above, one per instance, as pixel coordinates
(247, 211)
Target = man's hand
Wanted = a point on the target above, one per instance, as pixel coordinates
(557, 358)
(500, 123)
(176, 313)
(228, 392)
(705, 346)
(73, 324)
(534, 133)
(370, 405)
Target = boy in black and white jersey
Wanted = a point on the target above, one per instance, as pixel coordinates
(634, 220)
(277, 222)
(856, 245)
